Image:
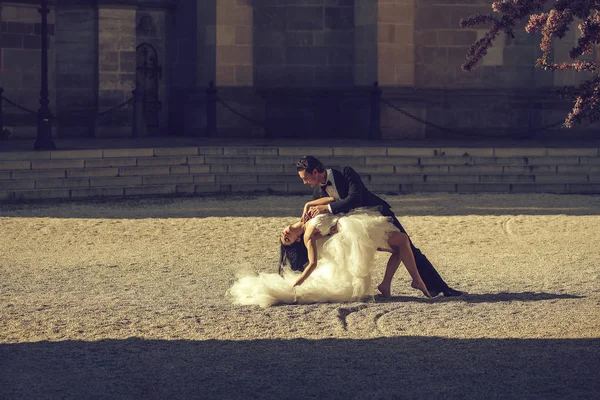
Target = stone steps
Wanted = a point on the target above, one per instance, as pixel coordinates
(66, 174)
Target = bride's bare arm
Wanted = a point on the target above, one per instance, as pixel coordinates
(323, 201)
(310, 237)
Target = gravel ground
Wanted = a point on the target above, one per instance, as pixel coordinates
(127, 299)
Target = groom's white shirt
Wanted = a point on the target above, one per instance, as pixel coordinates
(331, 190)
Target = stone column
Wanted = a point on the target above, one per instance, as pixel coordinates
(116, 65)
(76, 68)
(385, 42)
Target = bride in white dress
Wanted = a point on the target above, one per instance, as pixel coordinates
(330, 258)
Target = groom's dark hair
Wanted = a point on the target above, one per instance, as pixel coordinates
(296, 254)
(309, 163)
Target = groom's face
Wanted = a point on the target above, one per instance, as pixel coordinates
(309, 178)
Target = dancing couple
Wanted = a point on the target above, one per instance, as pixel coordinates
(329, 254)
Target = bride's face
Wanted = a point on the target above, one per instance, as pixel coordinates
(290, 235)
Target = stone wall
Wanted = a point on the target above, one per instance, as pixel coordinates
(20, 64)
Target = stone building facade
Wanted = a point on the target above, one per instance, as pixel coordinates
(291, 67)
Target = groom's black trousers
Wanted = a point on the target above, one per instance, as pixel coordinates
(434, 282)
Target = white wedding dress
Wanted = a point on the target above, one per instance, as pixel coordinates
(345, 265)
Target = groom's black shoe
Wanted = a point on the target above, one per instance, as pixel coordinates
(452, 292)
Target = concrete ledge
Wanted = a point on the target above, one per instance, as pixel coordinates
(62, 183)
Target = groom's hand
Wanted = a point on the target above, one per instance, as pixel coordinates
(316, 210)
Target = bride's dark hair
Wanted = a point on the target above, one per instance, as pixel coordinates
(296, 254)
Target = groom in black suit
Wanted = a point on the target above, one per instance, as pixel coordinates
(347, 188)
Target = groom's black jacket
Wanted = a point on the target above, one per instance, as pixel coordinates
(352, 191)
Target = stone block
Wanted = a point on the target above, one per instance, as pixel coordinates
(457, 37)
(505, 161)
(7, 195)
(299, 188)
(207, 188)
(583, 152)
(230, 160)
(92, 172)
(561, 178)
(277, 178)
(180, 169)
(231, 178)
(205, 179)
(389, 188)
(150, 190)
(303, 151)
(359, 151)
(11, 41)
(396, 179)
(421, 169)
(116, 153)
(294, 38)
(12, 165)
(5, 175)
(582, 160)
(244, 75)
(42, 194)
(57, 164)
(528, 169)
(196, 160)
(427, 187)
(24, 156)
(118, 181)
(339, 18)
(413, 151)
(392, 160)
(139, 171)
(61, 183)
(483, 188)
(304, 18)
(475, 169)
(186, 189)
(127, 61)
(374, 169)
(97, 192)
(466, 152)
(110, 162)
(250, 151)
(159, 160)
(538, 188)
(201, 169)
(256, 169)
(446, 161)
(306, 55)
(167, 179)
(236, 54)
(175, 151)
(16, 184)
(75, 154)
(210, 151)
(243, 35)
(30, 174)
(577, 169)
(507, 178)
(553, 160)
(259, 187)
(450, 178)
(590, 188)
(520, 152)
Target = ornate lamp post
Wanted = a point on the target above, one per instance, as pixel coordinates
(44, 125)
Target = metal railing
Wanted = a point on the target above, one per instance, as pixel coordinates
(374, 130)
(92, 120)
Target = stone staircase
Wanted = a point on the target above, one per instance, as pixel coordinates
(71, 174)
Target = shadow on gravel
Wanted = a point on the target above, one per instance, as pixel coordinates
(384, 368)
(484, 298)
